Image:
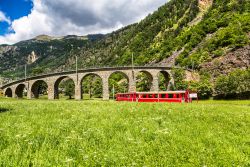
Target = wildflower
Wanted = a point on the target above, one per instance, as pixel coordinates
(17, 136)
(69, 159)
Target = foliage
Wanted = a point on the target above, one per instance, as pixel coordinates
(42, 88)
(119, 83)
(164, 82)
(203, 88)
(179, 79)
(92, 85)
(69, 88)
(143, 82)
(234, 85)
(37, 71)
(217, 33)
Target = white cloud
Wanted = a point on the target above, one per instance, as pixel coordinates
(3, 18)
(78, 17)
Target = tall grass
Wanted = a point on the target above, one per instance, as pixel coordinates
(97, 133)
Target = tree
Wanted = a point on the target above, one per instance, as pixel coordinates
(203, 88)
(69, 88)
(179, 79)
(234, 85)
(143, 82)
(92, 85)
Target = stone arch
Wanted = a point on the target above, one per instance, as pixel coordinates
(20, 90)
(164, 80)
(8, 92)
(39, 87)
(144, 81)
(120, 72)
(57, 83)
(94, 86)
(120, 85)
(92, 73)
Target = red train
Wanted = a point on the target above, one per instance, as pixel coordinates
(167, 96)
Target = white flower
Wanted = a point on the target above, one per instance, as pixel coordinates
(69, 159)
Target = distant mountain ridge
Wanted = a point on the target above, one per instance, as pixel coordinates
(187, 33)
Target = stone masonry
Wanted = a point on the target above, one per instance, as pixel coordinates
(15, 89)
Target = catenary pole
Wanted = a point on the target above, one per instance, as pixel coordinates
(25, 72)
(77, 69)
(132, 61)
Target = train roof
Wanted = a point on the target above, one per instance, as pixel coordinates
(160, 92)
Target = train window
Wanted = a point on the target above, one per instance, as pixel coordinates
(163, 96)
(150, 96)
(170, 96)
(156, 95)
(144, 96)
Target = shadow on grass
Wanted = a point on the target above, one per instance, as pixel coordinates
(3, 110)
(94, 99)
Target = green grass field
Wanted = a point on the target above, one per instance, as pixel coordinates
(97, 133)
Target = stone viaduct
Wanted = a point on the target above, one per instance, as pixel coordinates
(16, 88)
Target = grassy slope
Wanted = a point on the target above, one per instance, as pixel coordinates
(62, 133)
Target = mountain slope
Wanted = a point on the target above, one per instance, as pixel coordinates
(189, 33)
(43, 52)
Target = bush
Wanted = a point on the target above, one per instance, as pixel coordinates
(179, 77)
(234, 85)
(203, 88)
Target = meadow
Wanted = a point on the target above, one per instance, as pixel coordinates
(108, 133)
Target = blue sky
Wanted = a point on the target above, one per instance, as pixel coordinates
(13, 9)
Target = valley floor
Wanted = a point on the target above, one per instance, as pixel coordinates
(97, 133)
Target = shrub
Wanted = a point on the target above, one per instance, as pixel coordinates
(204, 88)
(179, 76)
(235, 85)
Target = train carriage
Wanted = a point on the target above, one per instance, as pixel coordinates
(166, 96)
